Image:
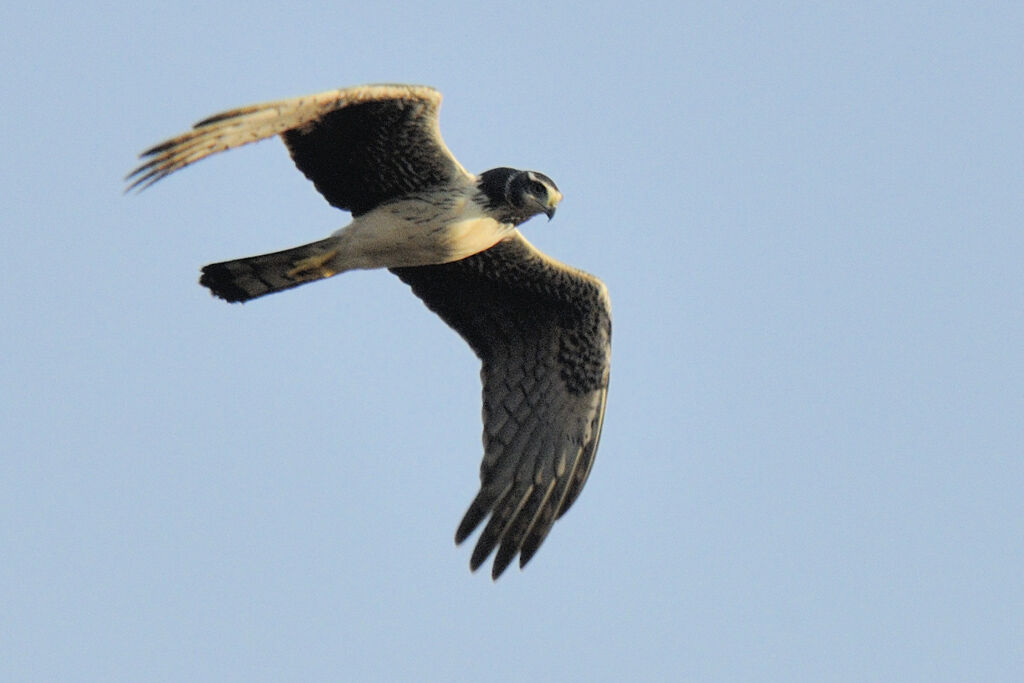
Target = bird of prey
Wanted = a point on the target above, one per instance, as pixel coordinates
(541, 329)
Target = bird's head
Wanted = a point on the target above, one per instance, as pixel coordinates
(531, 193)
(515, 196)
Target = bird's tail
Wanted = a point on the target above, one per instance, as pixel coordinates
(248, 278)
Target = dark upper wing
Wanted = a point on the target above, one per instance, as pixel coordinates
(360, 146)
(543, 332)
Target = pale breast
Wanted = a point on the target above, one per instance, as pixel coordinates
(421, 230)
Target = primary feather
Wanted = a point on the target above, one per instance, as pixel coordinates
(541, 329)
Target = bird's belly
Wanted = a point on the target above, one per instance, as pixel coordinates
(469, 236)
(417, 235)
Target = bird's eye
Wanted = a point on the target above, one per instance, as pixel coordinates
(537, 188)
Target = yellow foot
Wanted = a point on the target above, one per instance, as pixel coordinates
(313, 267)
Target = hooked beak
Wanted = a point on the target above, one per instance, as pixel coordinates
(553, 198)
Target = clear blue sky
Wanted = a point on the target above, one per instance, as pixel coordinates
(809, 216)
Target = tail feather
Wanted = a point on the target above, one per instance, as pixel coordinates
(248, 278)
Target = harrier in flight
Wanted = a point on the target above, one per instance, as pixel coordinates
(541, 329)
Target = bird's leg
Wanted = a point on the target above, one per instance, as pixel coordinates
(315, 265)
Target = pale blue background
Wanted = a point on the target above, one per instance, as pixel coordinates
(809, 216)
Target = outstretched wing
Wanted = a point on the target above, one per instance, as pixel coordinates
(543, 332)
(360, 146)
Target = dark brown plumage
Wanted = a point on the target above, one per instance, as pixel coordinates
(541, 329)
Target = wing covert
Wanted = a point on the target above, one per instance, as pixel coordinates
(542, 331)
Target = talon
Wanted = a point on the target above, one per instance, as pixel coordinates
(314, 265)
